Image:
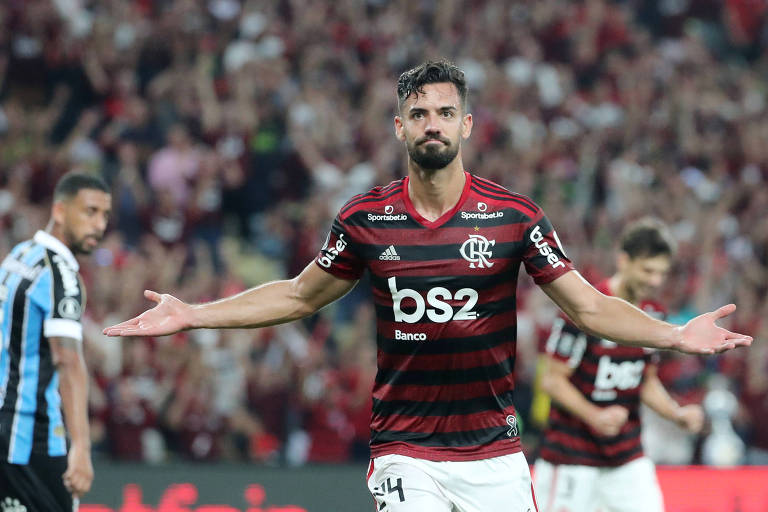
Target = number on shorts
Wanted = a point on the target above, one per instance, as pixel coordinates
(386, 487)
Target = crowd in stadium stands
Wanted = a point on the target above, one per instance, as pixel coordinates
(232, 131)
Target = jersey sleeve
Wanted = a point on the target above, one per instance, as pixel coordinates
(338, 256)
(544, 257)
(566, 343)
(64, 303)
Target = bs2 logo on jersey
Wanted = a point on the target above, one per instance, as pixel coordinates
(440, 310)
(612, 376)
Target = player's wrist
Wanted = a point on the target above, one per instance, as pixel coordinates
(195, 318)
(591, 415)
(81, 444)
(679, 415)
(674, 340)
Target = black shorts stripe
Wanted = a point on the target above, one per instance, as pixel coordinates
(443, 408)
(446, 377)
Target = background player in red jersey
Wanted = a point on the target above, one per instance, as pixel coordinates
(443, 248)
(591, 455)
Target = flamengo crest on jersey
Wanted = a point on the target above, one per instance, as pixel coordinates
(477, 251)
(444, 294)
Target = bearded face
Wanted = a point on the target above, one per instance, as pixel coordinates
(83, 219)
(432, 125)
(433, 151)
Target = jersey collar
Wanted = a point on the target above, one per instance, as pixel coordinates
(443, 218)
(54, 244)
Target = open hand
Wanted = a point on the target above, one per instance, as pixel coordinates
(701, 336)
(169, 316)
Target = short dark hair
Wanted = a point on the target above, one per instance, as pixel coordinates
(431, 72)
(73, 182)
(647, 238)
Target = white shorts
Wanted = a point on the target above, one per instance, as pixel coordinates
(405, 484)
(632, 487)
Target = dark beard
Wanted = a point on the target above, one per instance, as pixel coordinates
(432, 158)
(79, 248)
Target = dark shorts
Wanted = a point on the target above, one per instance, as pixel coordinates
(37, 485)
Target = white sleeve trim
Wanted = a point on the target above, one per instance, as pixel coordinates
(63, 328)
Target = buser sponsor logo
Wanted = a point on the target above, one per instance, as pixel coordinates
(544, 248)
(331, 252)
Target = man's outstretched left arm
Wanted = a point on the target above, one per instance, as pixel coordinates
(618, 320)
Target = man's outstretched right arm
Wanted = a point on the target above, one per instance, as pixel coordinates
(268, 304)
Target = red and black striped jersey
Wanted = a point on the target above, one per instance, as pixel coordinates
(606, 374)
(444, 295)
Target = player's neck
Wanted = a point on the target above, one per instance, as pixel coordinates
(618, 288)
(56, 231)
(435, 192)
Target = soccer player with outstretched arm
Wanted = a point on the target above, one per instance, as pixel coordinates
(443, 248)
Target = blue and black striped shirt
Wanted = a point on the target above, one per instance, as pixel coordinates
(41, 296)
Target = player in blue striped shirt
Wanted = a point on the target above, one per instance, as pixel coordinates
(42, 371)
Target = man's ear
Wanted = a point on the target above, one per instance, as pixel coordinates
(622, 260)
(58, 212)
(399, 128)
(466, 125)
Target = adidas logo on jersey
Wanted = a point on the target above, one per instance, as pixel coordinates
(390, 254)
